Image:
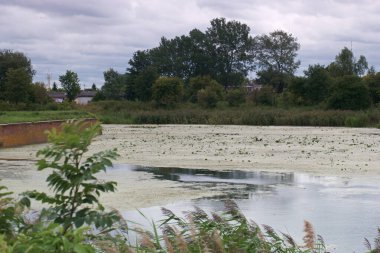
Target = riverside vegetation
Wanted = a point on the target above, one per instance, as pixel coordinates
(74, 221)
(33, 116)
(128, 112)
(203, 78)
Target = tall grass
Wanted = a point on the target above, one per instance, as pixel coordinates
(126, 112)
(226, 232)
(33, 116)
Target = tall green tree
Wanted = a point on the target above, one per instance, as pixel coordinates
(140, 60)
(232, 47)
(317, 83)
(13, 60)
(17, 86)
(225, 52)
(70, 84)
(143, 82)
(346, 64)
(173, 57)
(372, 81)
(349, 93)
(138, 84)
(114, 85)
(276, 57)
(202, 61)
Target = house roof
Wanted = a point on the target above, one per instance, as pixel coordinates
(87, 93)
(62, 95)
(56, 94)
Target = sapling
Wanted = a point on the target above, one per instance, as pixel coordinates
(76, 189)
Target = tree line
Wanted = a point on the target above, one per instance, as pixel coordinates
(16, 74)
(212, 66)
(16, 81)
(226, 52)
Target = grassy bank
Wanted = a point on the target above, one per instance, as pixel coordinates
(124, 112)
(127, 112)
(34, 116)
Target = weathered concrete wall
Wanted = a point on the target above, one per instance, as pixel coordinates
(18, 134)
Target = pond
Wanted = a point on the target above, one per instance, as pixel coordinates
(343, 211)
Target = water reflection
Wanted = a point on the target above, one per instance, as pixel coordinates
(236, 184)
(235, 176)
(343, 211)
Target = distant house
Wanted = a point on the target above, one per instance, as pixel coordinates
(85, 96)
(57, 96)
(249, 87)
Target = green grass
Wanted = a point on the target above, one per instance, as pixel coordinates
(34, 116)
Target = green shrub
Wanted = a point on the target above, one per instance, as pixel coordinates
(198, 83)
(167, 91)
(349, 93)
(360, 121)
(11, 211)
(264, 96)
(52, 238)
(235, 97)
(209, 96)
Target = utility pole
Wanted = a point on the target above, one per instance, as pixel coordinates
(48, 80)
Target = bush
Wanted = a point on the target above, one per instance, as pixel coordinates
(167, 91)
(349, 93)
(264, 96)
(235, 97)
(198, 83)
(209, 96)
(360, 121)
(75, 201)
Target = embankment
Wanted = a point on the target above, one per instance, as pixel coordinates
(18, 134)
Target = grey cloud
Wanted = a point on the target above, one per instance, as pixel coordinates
(92, 36)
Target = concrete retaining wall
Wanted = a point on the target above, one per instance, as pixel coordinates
(18, 134)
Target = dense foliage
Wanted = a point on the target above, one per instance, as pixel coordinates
(127, 112)
(226, 54)
(70, 84)
(74, 202)
(213, 69)
(167, 91)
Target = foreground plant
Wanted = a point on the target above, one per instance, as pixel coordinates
(76, 189)
(375, 248)
(11, 215)
(228, 232)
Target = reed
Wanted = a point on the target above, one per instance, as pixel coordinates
(126, 112)
(225, 232)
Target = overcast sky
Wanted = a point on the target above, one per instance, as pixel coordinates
(89, 37)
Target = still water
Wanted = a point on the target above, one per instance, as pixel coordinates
(343, 211)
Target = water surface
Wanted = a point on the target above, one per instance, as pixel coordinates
(343, 211)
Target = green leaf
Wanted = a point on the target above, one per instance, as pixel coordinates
(79, 221)
(80, 248)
